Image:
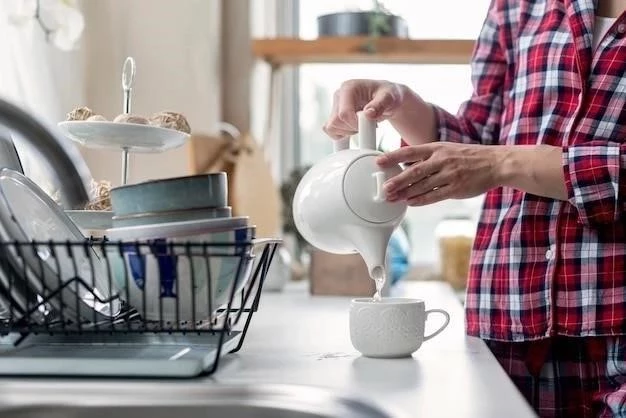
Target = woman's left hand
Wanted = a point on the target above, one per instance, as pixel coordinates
(442, 170)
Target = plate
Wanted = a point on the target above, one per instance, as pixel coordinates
(92, 223)
(28, 214)
(118, 135)
(176, 229)
(16, 294)
(91, 219)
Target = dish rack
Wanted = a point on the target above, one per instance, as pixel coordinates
(41, 341)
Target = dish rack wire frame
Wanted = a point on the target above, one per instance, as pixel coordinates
(223, 320)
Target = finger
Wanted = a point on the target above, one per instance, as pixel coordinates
(337, 133)
(414, 174)
(381, 105)
(434, 196)
(346, 108)
(335, 127)
(405, 155)
(423, 186)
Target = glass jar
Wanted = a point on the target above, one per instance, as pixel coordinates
(455, 237)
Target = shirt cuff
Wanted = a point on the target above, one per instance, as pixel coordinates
(443, 123)
(592, 178)
(449, 126)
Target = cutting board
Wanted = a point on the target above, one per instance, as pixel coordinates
(208, 152)
(254, 192)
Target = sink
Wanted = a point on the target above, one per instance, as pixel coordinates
(199, 401)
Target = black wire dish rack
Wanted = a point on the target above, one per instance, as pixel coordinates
(127, 309)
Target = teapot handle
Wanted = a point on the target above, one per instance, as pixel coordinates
(379, 178)
(341, 144)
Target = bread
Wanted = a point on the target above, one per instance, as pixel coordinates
(80, 113)
(100, 195)
(130, 118)
(170, 120)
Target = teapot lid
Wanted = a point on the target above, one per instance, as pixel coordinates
(362, 189)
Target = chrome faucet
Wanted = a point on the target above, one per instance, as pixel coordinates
(70, 168)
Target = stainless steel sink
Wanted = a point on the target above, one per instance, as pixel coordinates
(198, 401)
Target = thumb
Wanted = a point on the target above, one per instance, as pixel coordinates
(380, 105)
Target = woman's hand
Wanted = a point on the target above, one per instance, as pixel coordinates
(442, 171)
(381, 100)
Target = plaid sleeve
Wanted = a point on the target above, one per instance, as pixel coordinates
(592, 176)
(478, 119)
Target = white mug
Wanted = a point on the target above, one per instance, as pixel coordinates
(391, 327)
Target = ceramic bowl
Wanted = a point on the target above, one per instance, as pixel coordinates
(151, 218)
(175, 279)
(165, 195)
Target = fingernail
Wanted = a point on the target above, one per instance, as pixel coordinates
(370, 110)
(388, 186)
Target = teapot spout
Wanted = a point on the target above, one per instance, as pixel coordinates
(371, 243)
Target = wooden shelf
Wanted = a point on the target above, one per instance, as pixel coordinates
(282, 51)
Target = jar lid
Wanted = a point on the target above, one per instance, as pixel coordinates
(362, 189)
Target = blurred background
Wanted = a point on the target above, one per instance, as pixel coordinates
(203, 58)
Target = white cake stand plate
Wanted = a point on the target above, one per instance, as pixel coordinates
(131, 137)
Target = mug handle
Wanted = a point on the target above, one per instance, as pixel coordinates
(445, 324)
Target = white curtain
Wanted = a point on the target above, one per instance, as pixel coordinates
(272, 101)
(37, 77)
(26, 76)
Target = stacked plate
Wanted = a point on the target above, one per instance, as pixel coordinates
(29, 273)
(162, 282)
(169, 282)
(177, 199)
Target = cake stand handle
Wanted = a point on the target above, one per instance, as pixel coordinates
(128, 78)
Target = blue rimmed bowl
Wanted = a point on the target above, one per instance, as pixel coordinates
(169, 282)
(172, 194)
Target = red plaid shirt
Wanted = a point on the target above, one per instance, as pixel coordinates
(542, 267)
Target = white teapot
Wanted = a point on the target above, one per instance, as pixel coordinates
(340, 207)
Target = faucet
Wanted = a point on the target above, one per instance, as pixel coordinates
(72, 172)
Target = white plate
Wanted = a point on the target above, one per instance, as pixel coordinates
(27, 214)
(132, 136)
(176, 229)
(91, 219)
(92, 223)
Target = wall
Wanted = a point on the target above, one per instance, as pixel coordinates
(176, 46)
(236, 63)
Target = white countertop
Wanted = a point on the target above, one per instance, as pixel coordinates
(300, 339)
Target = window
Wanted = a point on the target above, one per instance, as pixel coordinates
(445, 85)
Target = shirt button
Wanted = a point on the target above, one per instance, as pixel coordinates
(621, 28)
(550, 254)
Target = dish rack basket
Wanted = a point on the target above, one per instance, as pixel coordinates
(46, 334)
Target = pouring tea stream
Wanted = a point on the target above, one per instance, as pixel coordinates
(340, 206)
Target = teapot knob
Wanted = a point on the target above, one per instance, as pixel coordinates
(367, 131)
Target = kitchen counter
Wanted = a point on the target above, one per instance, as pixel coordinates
(295, 338)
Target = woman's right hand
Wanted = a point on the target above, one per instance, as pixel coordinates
(379, 100)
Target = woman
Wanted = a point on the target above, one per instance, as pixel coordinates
(544, 136)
